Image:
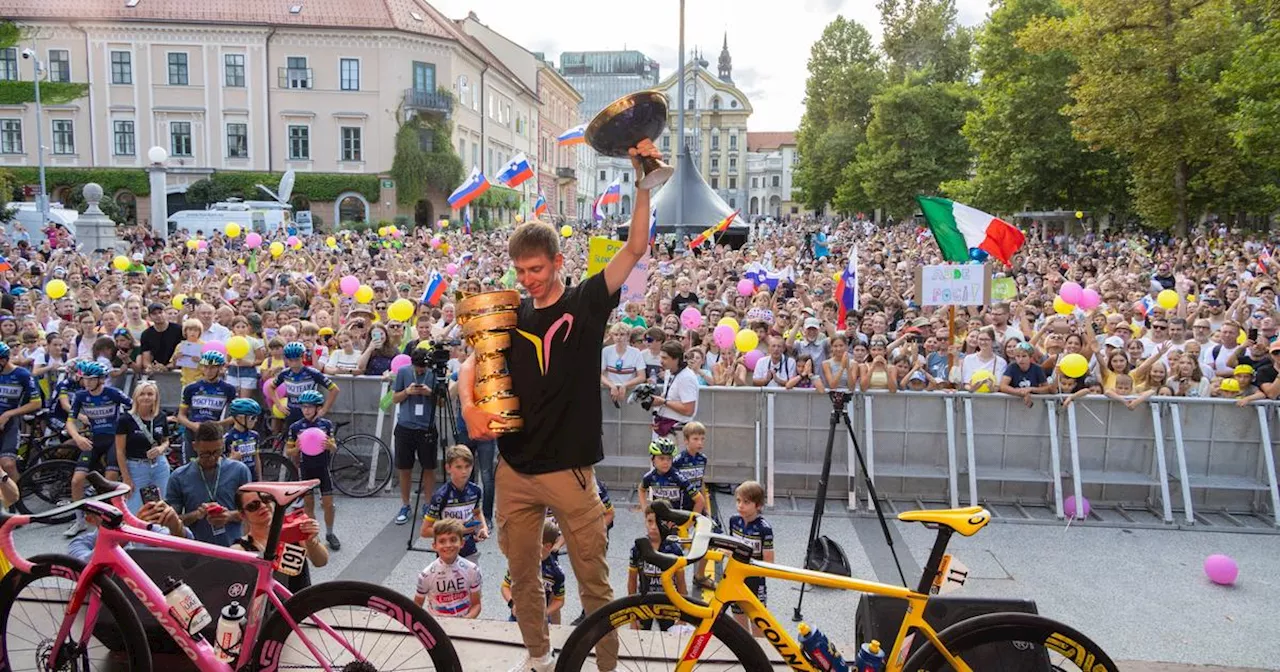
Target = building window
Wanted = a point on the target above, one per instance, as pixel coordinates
(123, 139)
(691, 105)
(180, 138)
(475, 154)
(626, 178)
(349, 70)
(715, 183)
(733, 182)
(733, 141)
(59, 65)
(715, 141)
(297, 74)
(666, 142)
(424, 76)
(299, 143)
(64, 136)
(602, 178)
(715, 163)
(733, 202)
(352, 144)
(121, 67)
(9, 64)
(237, 141)
(489, 155)
(755, 183)
(463, 89)
(733, 163)
(462, 147)
(10, 136)
(178, 72)
(777, 181)
(715, 103)
(233, 70)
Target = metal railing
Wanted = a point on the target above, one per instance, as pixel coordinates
(418, 99)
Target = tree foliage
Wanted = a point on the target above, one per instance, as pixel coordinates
(19, 92)
(924, 41)
(424, 159)
(203, 193)
(107, 205)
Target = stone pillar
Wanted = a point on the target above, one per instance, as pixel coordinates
(159, 201)
(94, 230)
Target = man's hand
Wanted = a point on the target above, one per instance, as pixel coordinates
(219, 519)
(482, 533)
(478, 420)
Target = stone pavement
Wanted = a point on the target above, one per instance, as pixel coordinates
(1141, 594)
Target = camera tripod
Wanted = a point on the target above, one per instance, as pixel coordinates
(445, 421)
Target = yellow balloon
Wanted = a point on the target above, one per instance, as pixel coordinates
(238, 347)
(178, 301)
(277, 249)
(233, 230)
(1191, 298)
(444, 248)
(746, 340)
(382, 231)
(1240, 339)
(566, 231)
(280, 409)
(55, 289)
(733, 324)
(981, 382)
(121, 263)
(192, 244)
(392, 229)
(331, 242)
(519, 219)
(401, 310)
(364, 294)
(444, 223)
(1079, 214)
(1074, 365)
(1061, 307)
(1168, 299)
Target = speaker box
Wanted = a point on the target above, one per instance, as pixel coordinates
(879, 617)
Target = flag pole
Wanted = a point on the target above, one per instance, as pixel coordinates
(951, 337)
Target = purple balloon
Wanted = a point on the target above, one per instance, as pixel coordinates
(1221, 569)
(214, 346)
(724, 336)
(751, 358)
(746, 287)
(1069, 508)
(1071, 293)
(1089, 299)
(311, 441)
(691, 318)
(399, 362)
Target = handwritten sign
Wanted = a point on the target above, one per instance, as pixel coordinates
(601, 250)
(954, 285)
(1003, 289)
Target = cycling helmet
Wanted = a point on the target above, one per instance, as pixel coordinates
(245, 407)
(90, 369)
(662, 446)
(310, 397)
(4, 351)
(213, 357)
(294, 350)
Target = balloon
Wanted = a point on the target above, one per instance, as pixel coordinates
(179, 300)
(1074, 365)
(723, 336)
(1071, 293)
(519, 219)
(382, 232)
(746, 287)
(349, 284)
(311, 441)
(233, 230)
(1078, 512)
(331, 243)
(746, 340)
(121, 263)
(435, 242)
(1221, 569)
(252, 240)
(55, 289)
(277, 249)
(364, 294)
(978, 254)
(293, 242)
(267, 391)
(397, 233)
(393, 229)
(751, 358)
(213, 346)
(444, 248)
(1240, 337)
(192, 244)
(202, 244)
(401, 310)
(444, 223)
(1168, 299)
(238, 347)
(1079, 214)
(451, 268)
(1089, 299)
(982, 382)
(399, 362)
(566, 231)
(1061, 307)
(280, 409)
(730, 322)
(691, 318)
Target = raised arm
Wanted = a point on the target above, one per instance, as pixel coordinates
(638, 236)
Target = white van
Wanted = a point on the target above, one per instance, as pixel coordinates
(29, 216)
(265, 217)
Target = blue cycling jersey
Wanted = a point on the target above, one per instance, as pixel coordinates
(245, 443)
(295, 384)
(460, 505)
(206, 401)
(302, 425)
(758, 534)
(691, 468)
(648, 576)
(64, 388)
(17, 388)
(669, 487)
(101, 409)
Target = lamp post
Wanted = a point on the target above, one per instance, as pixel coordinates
(42, 201)
(680, 146)
(159, 199)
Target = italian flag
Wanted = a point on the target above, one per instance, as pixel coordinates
(959, 228)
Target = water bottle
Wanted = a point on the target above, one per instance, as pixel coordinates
(230, 632)
(820, 651)
(870, 658)
(184, 606)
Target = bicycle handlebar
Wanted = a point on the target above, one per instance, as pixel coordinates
(115, 495)
(663, 511)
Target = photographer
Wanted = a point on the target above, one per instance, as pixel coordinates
(415, 433)
(678, 402)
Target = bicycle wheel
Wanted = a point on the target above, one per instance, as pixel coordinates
(46, 486)
(386, 630)
(361, 466)
(53, 449)
(729, 648)
(1009, 641)
(277, 467)
(31, 610)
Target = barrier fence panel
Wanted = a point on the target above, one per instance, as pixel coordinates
(1009, 455)
(799, 426)
(1225, 463)
(910, 446)
(1114, 454)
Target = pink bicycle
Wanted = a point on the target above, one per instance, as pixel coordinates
(57, 614)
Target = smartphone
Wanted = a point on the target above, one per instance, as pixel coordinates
(150, 493)
(1253, 335)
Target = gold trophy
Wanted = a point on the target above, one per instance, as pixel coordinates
(486, 321)
(627, 121)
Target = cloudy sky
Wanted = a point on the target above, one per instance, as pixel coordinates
(768, 39)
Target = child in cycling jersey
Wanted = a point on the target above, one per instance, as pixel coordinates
(205, 400)
(644, 578)
(450, 585)
(751, 527)
(552, 576)
(96, 408)
(315, 466)
(242, 439)
(459, 499)
(691, 465)
(663, 483)
(296, 379)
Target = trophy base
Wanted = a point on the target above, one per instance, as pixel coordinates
(656, 178)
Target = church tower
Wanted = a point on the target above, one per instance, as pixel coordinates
(726, 62)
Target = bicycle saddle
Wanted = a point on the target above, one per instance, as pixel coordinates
(966, 521)
(283, 494)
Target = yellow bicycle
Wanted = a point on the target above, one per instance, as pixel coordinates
(701, 635)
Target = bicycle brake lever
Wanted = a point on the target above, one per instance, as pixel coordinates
(645, 549)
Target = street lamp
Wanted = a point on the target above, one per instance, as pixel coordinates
(42, 201)
(159, 198)
(157, 155)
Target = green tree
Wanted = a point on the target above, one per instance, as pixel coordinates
(205, 192)
(844, 74)
(424, 159)
(923, 41)
(18, 92)
(1253, 82)
(107, 205)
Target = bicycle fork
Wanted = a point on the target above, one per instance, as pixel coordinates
(83, 596)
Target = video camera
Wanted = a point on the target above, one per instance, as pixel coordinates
(643, 393)
(438, 355)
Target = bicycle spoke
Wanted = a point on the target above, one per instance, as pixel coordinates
(369, 635)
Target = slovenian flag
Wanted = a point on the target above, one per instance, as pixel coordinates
(847, 290)
(711, 232)
(1264, 260)
(653, 226)
(466, 220)
(612, 194)
(436, 287)
(959, 228)
(475, 185)
(516, 171)
(540, 205)
(467, 257)
(574, 136)
(4, 265)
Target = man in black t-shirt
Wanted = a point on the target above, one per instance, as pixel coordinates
(555, 371)
(159, 340)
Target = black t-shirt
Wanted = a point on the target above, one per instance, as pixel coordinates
(161, 344)
(555, 370)
(135, 444)
(1264, 375)
(680, 302)
(1032, 377)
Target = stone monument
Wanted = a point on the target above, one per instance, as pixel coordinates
(94, 230)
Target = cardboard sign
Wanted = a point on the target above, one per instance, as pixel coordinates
(954, 285)
(601, 250)
(1004, 289)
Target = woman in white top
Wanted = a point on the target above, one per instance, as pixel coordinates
(621, 365)
(985, 359)
(677, 401)
(345, 360)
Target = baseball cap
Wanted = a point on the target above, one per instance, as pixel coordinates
(812, 323)
(917, 376)
(1275, 345)
(137, 256)
(1114, 341)
(155, 307)
(1243, 370)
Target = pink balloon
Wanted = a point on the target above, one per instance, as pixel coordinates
(1071, 293)
(399, 362)
(349, 284)
(1089, 299)
(266, 391)
(1069, 508)
(202, 244)
(724, 336)
(214, 346)
(1221, 569)
(291, 241)
(746, 287)
(397, 233)
(312, 441)
(751, 358)
(435, 242)
(252, 240)
(451, 269)
(691, 318)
